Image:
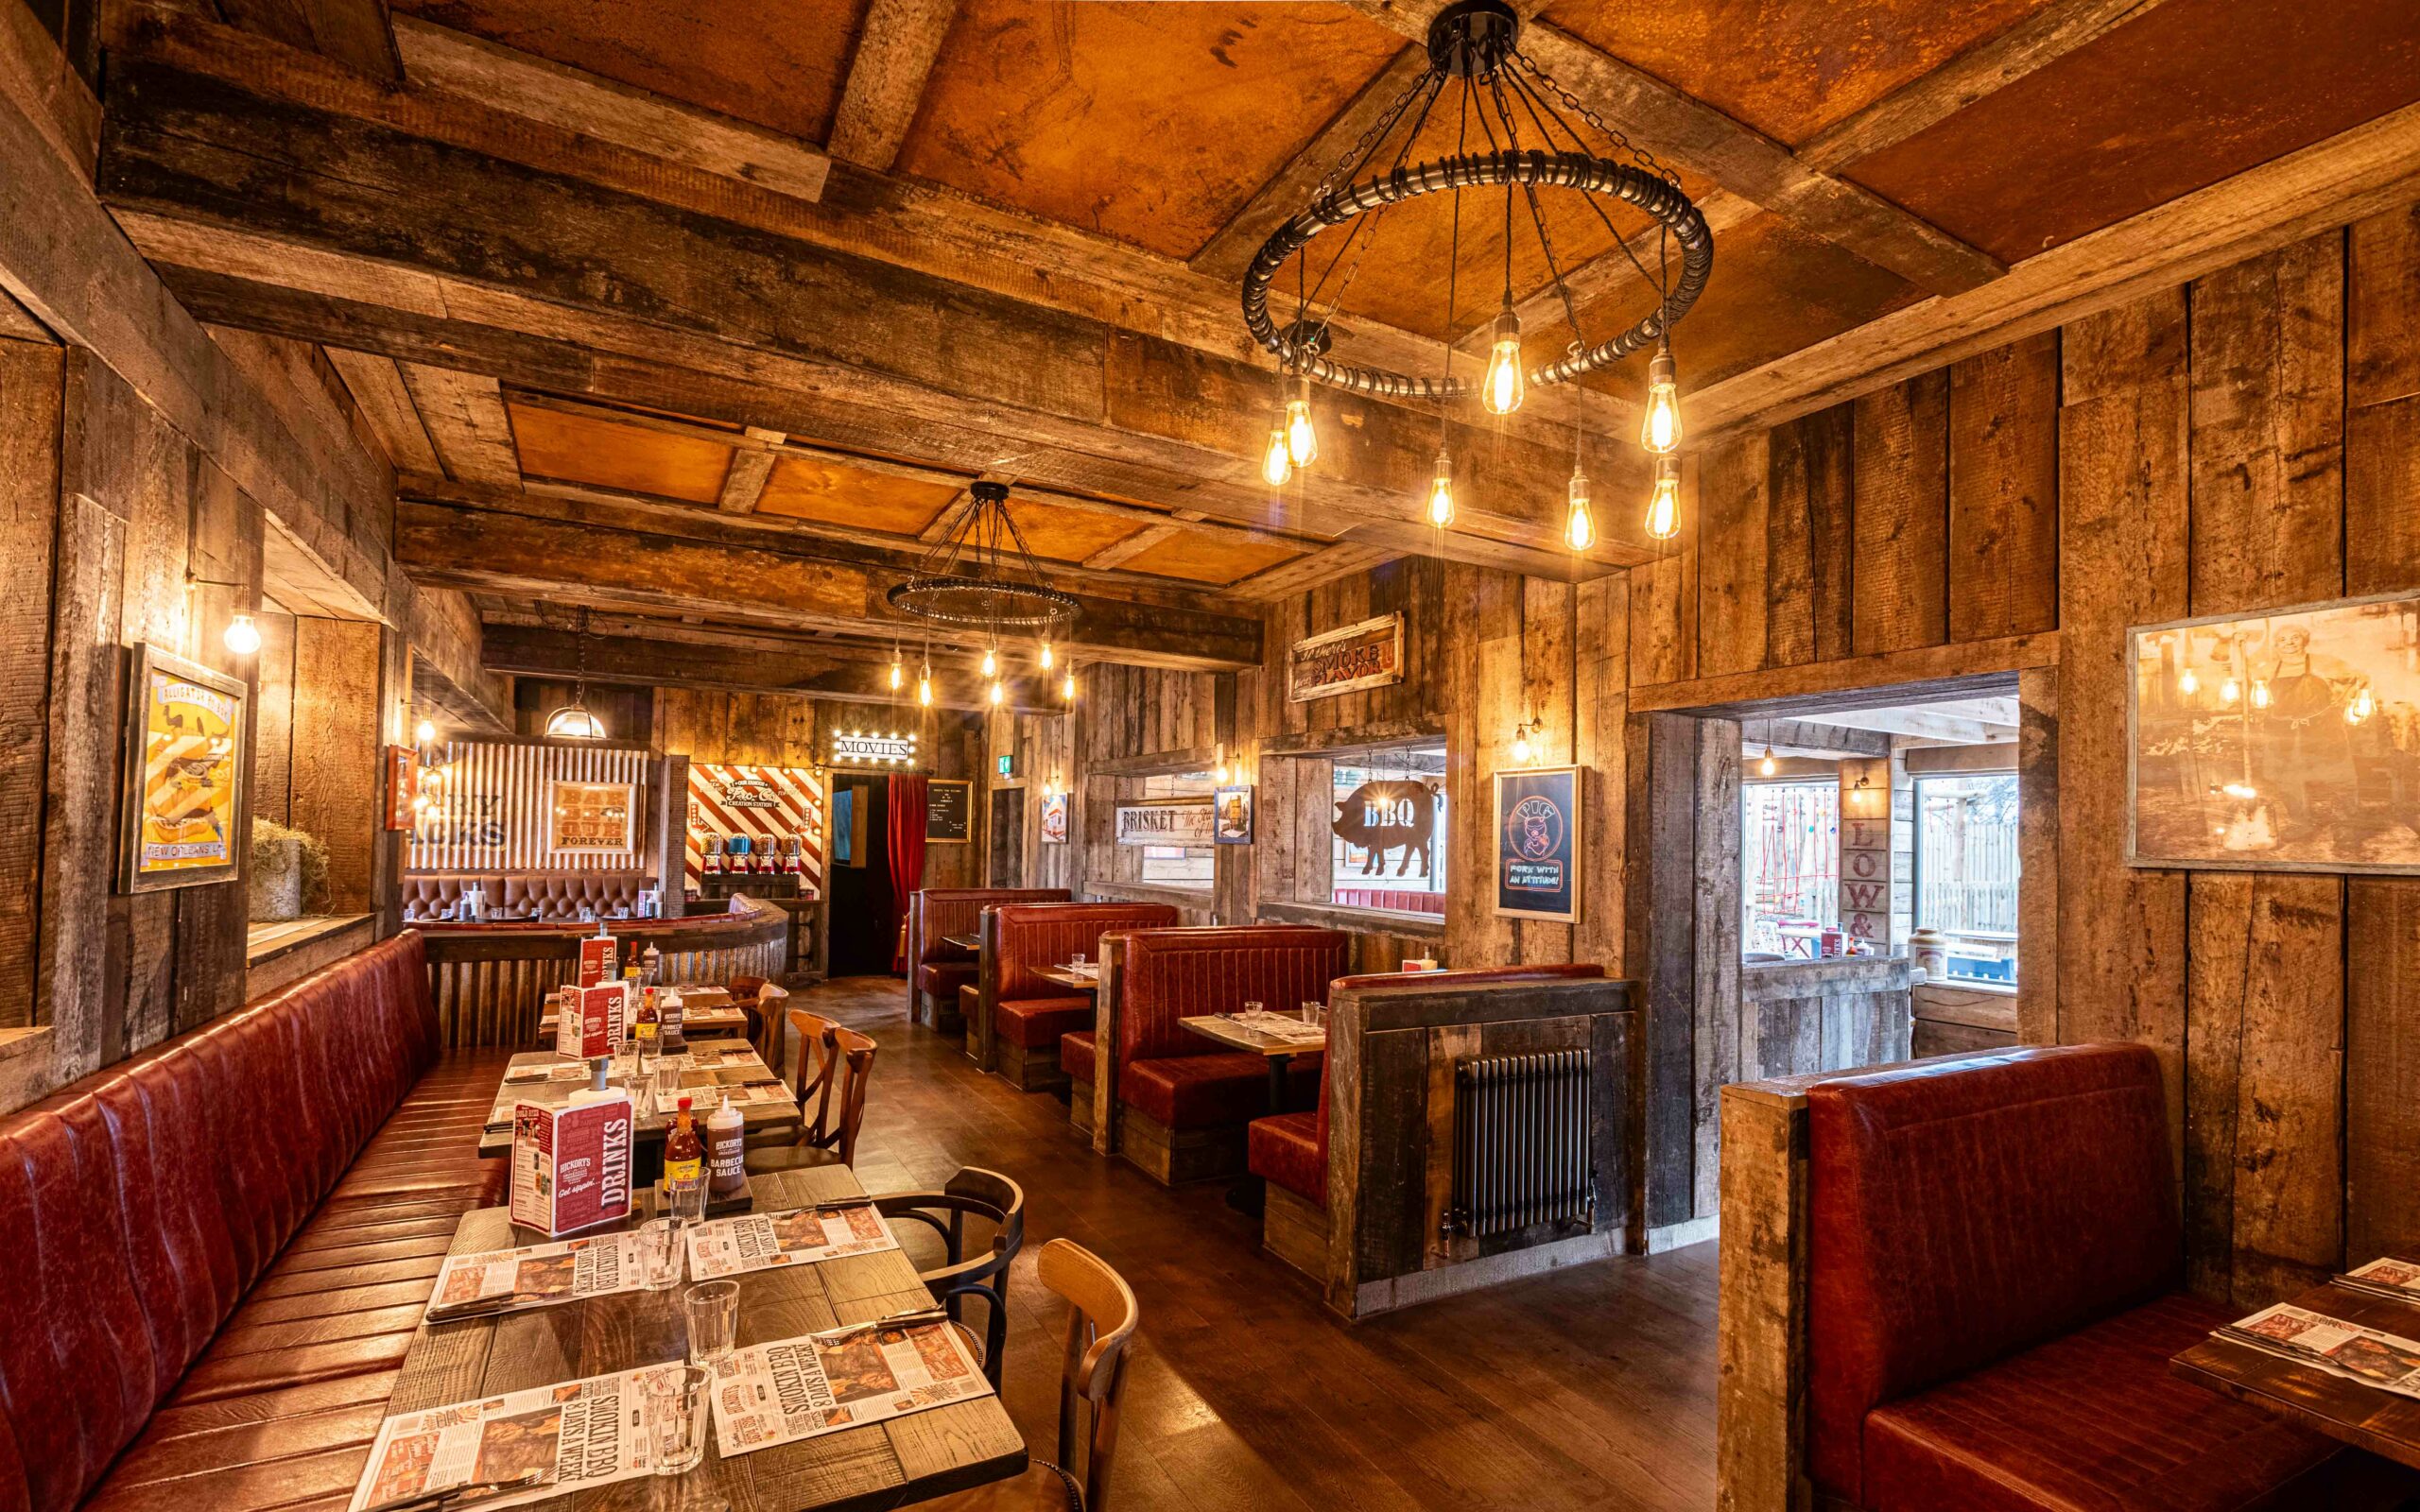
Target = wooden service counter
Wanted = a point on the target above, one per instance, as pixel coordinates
(1431, 1191)
(491, 981)
(1826, 1015)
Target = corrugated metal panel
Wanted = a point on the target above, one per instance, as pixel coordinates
(491, 803)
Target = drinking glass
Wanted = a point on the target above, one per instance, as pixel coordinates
(1077, 960)
(668, 1085)
(1251, 1009)
(688, 1203)
(714, 1320)
(1315, 1014)
(674, 1413)
(660, 1254)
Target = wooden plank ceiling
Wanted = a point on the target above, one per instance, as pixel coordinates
(784, 279)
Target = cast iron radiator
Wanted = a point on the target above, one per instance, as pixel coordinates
(1522, 1150)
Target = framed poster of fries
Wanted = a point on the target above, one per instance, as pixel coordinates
(187, 775)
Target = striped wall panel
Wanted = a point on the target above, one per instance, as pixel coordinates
(764, 801)
(491, 802)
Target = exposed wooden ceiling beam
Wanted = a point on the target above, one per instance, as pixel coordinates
(385, 401)
(356, 33)
(744, 484)
(895, 51)
(2371, 167)
(440, 62)
(1930, 723)
(291, 196)
(557, 562)
(1117, 553)
(467, 424)
(1695, 136)
(842, 674)
(1305, 573)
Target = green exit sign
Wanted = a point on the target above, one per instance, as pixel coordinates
(1007, 766)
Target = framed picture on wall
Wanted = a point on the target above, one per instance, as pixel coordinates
(591, 818)
(1537, 843)
(1232, 823)
(949, 811)
(2287, 742)
(187, 773)
(1054, 819)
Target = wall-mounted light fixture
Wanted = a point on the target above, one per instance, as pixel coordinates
(1523, 733)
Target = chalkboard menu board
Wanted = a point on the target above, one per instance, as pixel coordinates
(949, 812)
(1537, 843)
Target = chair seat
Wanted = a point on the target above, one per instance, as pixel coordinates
(1037, 1023)
(2090, 1421)
(1041, 1488)
(774, 1158)
(1075, 1054)
(1285, 1149)
(1204, 1091)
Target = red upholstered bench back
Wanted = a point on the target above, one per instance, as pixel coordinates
(1033, 935)
(140, 1202)
(935, 912)
(1964, 1211)
(1177, 973)
(562, 895)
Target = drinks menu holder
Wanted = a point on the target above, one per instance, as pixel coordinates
(599, 959)
(590, 1023)
(571, 1166)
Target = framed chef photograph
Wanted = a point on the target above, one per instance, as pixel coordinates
(1537, 843)
(187, 775)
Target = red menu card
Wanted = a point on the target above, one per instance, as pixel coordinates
(599, 958)
(571, 1166)
(590, 1022)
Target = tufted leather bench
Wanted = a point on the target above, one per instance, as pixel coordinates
(1995, 1260)
(936, 969)
(429, 895)
(1014, 1017)
(222, 1245)
(563, 894)
(1179, 1109)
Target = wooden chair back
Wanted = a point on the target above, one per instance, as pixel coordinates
(982, 1194)
(772, 1013)
(833, 1065)
(1100, 1322)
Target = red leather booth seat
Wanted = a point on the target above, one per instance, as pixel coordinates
(1164, 1072)
(538, 895)
(939, 969)
(1291, 1149)
(1033, 1011)
(428, 895)
(1995, 1258)
(220, 1247)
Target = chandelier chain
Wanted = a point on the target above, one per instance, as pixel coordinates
(1619, 138)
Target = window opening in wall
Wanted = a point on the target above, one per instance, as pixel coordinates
(1791, 866)
(1966, 870)
(1178, 865)
(1387, 844)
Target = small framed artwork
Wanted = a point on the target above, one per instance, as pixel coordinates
(1054, 819)
(1233, 824)
(591, 818)
(187, 775)
(1537, 843)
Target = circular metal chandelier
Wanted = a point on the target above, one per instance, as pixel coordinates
(980, 576)
(1509, 133)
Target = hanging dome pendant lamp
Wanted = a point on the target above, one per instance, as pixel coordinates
(1513, 133)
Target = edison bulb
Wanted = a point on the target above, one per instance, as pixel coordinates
(898, 674)
(243, 637)
(1768, 766)
(1659, 430)
(1580, 527)
(425, 733)
(1045, 658)
(991, 664)
(2363, 704)
(997, 693)
(1502, 387)
(1521, 744)
(2187, 683)
(2229, 692)
(924, 687)
(1302, 441)
(1067, 686)
(1276, 465)
(1440, 492)
(1663, 504)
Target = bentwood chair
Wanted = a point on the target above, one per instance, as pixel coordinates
(1100, 1323)
(988, 1197)
(833, 1065)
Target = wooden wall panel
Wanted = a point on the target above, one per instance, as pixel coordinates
(32, 381)
(1600, 711)
(336, 771)
(2004, 490)
(1808, 534)
(1900, 467)
(273, 721)
(1733, 530)
(1664, 600)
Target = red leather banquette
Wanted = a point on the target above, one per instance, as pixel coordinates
(1172, 1086)
(1030, 1012)
(1291, 1149)
(1995, 1263)
(936, 969)
(220, 1247)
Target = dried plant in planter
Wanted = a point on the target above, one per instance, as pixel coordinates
(289, 872)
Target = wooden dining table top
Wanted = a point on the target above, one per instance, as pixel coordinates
(966, 942)
(925, 1454)
(1072, 980)
(2363, 1415)
(764, 1116)
(1243, 1036)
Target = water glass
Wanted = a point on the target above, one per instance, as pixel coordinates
(660, 1254)
(714, 1320)
(668, 1085)
(673, 1412)
(1315, 1014)
(1077, 960)
(686, 1202)
(1251, 1009)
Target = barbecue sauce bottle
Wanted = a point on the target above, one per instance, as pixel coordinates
(684, 1155)
(726, 1153)
(668, 1014)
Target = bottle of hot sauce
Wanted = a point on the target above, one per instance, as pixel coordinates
(684, 1158)
(648, 1029)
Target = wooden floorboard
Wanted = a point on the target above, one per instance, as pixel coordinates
(1590, 1387)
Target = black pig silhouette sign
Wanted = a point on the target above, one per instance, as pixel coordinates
(1387, 815)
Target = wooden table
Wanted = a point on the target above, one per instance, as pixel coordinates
(2362, 1416)
(702, 1022)
(763, 1121)
(908, 1459)
(970, 943)
(1279, 1052)
(1072, 980)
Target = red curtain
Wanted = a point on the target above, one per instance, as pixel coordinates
(907, 855)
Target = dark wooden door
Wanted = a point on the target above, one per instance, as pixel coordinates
(863, 923)
(1005, 866)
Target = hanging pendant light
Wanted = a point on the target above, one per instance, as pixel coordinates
(1043, 660)
(997, 693)
(1440, 491)
(898, 672)
(1663, 504)
(242, 636)
(1302, 440)
(925, 684)
(990, 662)
(1067, 686)
(573, 721)
(1276, 463)
(1659, 429)
(1580, 526)
(1501, 389)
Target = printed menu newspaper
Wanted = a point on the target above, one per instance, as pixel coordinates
(579, 1434)
(800, 1236)
(2338, 1348)
(535, 1276)
(798, 1389)
(2397, 1280)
